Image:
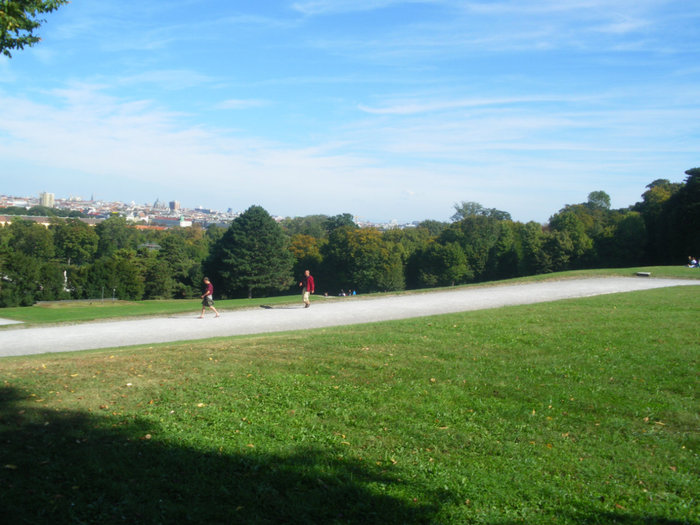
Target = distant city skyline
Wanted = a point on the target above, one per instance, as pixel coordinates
(175, 205)
(202, 214)
(386, 109)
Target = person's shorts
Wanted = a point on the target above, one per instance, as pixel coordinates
(208, 301)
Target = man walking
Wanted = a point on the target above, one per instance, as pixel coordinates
(307, 287)
(208, 297)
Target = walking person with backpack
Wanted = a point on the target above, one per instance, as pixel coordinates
(208, 297)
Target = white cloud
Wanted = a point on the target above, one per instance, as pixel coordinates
(412, 107)
(511, 26)
(509, 153)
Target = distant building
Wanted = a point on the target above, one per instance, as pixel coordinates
(171, 222)
(174, 205)
(46, 199)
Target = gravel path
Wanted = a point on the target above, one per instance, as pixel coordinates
(15, 341)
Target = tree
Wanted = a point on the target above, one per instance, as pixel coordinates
(159, 281)
(181, 252)
(313, 225)
(506, 253)
(337, 264)
(532, 238)
(557, 248)
(51, 280)
(31, 239)
(599, 199)
(572, 224)
(623, 243)
(115, 234)
(19, 279)
(682, 215)
(474, 209)
(360, 259)
(251, 255)
(438, 265)
(652, 207)
(306, 251)
(435, 228)
(120, 275)
(75, 241)
(19, 19)
(477, 235)
(377, 264)
(339, 221)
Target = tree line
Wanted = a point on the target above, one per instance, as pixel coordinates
(258, 256)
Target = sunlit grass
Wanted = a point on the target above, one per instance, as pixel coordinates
(82, 311)
(580, 411)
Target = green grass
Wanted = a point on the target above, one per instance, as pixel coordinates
(83, 311)
(91, 310)
(672, 272)
(574, 412)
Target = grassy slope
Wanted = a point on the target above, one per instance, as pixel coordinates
(581, 411)
(82, 311)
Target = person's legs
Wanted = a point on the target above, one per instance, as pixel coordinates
(307, 303)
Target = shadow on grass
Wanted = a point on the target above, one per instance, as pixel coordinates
(609, 518)
(71, 467)
(67, 467)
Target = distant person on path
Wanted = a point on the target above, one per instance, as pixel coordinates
(208, 297)
(307, 287)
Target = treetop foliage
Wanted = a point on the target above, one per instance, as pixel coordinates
(465, 209)
(252, 255)
(599, 199)
(40, 211)
(19, 19)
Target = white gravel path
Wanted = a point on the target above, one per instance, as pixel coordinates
(16, 341)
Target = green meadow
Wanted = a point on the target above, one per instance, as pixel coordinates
(573, 412)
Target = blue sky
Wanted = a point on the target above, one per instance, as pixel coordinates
(385, 109)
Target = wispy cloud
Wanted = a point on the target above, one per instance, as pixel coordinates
(170, 79)
(416, 107)
(512, 26)
(323, 7)
(491, 150)
(242, 104)
(85, 131)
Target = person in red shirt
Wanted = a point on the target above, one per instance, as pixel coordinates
(307, 287)
(208, 297)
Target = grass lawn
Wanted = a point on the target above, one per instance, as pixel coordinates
(82, 311)
(574, 412)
